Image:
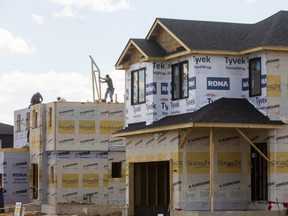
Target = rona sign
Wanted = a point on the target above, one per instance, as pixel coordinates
(218, 83)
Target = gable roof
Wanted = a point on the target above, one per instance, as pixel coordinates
(225, 113)
(204, 35)
(6, 129)
(214, 37)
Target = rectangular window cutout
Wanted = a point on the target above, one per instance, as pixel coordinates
(180, 80)
(28, 121)
(138, 82)
(52, 174)
(254, 77)
(18, 122)
(34, 118)
(116, 169)
(50, 117)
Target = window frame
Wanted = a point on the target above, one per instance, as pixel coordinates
(136, 86)
(253, 92)
(180, 92)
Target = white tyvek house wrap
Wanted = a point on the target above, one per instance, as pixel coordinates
(232, 179)
(20, 137)
(210, 78)
(15, 170)
(85, 177)
(232, 185)
(78, 126)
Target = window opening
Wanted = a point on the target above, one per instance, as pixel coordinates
(116, 169)
(28, 121)
(18, 122)
(50, 117)
(34, 118)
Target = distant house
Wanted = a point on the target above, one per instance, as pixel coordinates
(206, 116)
(6, 136)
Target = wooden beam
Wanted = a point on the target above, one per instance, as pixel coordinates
(185, 138)
(252, 144)
(211, 170)
(154, 130)
(199, 125)
(238, 125)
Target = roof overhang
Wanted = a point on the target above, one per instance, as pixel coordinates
(122, 66)
(196, 125)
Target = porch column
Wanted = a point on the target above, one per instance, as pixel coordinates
(211, 170)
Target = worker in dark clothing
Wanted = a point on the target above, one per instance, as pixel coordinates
(110, 88)
(36, 99)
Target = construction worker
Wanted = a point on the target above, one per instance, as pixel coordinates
(36, 99)
(59, 99)
(110, 88)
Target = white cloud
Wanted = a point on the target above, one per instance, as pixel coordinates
(39, 20)
(61, 83)
(13, 44)
(6, 119)
(68, 12)
(250, 1)
(17, 88)
(97, 5)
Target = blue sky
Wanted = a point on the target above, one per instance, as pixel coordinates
(45, 44)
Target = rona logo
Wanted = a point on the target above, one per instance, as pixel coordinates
(218, 83)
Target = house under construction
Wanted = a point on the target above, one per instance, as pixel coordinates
(72, 156)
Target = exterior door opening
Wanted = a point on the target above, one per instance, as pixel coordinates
(35, 181)
(151, 188)
(259, 173)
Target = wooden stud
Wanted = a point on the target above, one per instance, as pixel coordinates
(185, 138)
(211, 170)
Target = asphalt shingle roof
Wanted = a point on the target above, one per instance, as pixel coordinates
(223, 111)
(150, 48)
(205, 35)
(223, 36)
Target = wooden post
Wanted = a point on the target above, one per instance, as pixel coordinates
(171, 185)
(94, 80)
(211, 170)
